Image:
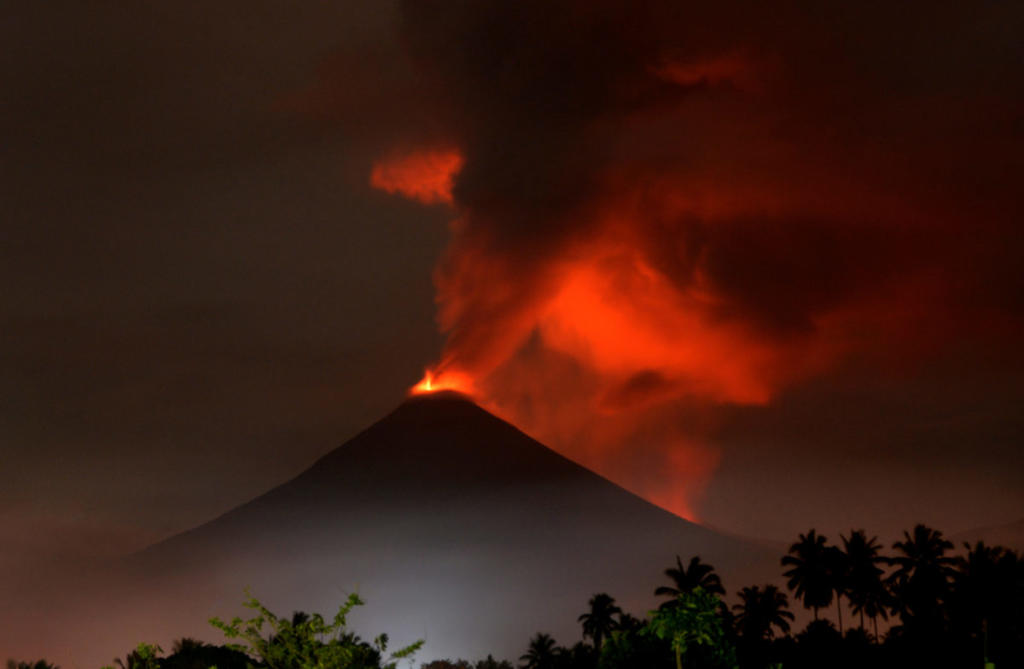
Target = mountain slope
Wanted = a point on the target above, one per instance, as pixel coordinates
(454, 526)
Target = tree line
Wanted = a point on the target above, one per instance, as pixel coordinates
(937, 609)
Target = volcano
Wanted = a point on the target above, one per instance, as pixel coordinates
(453, 525)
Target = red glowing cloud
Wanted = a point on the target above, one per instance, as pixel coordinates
(662, 213)
(426, 176)
(594, 351)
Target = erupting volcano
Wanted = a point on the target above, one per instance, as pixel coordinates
(637, 268)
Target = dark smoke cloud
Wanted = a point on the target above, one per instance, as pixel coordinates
(784, 186)
(850, 132)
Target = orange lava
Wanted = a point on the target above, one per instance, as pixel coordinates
(433, 382)
(425, 176)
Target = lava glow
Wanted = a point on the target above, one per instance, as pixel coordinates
(433, 382)
(426, 176)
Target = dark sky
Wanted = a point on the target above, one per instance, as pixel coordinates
(759, 264)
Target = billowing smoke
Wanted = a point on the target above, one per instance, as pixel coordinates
(661, 208)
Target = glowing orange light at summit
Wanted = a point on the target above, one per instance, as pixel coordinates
(433, 382)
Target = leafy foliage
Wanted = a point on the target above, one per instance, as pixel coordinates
(145, 656)
(631, 646)
(694, 621)
(308, 641)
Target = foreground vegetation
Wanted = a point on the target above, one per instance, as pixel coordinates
(940, 610)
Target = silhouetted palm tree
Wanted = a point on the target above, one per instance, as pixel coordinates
(628, 623)
(987, 585)
(540, 654)
(599, 622)
(685, 579)
(864, 587)
(838, 575)
(877, 604)
(761, 610)
(922, 577)
(810, 577)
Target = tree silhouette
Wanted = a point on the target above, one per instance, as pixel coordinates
(761, 610)
(540, 654)
(864, 587)
(821, 646)
(810, 576)
(986, 599)
(696, 574)
(189, 653)
(922, 578)
(599, 622)
(580, 656)
(186, 645)
(838, 568)
(628, 623)
(490, 663)
(877, 602)
(487, 663)
(759, 614)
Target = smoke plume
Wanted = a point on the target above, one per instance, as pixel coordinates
(663, 208)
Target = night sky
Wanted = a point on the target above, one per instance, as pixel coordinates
(761, 265)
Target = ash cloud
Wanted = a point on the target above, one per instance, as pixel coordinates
(690, 205)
